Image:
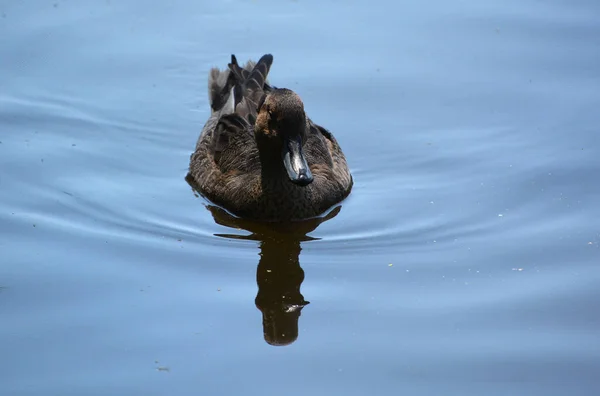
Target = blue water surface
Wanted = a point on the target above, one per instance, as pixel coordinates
(465, 261)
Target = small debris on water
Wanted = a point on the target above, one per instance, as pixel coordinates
(390, 265)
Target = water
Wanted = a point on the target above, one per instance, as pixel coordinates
(464, 262)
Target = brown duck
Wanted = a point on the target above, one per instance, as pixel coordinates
(259, 156)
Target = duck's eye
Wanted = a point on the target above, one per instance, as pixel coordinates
(268, 110)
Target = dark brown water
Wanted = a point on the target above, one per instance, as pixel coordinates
(465, 262)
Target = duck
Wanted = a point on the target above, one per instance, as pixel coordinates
(259, 156)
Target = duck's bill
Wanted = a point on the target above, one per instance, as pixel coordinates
(295, 163)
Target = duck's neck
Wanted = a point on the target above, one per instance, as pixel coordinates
(270, 159)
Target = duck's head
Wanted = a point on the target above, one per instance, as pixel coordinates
(281, 121)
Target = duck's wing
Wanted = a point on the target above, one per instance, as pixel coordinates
(225, 166)
(232, 146)
(325, 156)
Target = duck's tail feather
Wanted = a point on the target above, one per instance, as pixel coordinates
(247, 69)
(248, 82)
(250, 85)
(253, 75)
(258, 76)
(220, 84)
(239, 73)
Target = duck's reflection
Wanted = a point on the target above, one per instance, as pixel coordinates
(279, 275)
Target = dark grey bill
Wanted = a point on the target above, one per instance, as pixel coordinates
(295, 163)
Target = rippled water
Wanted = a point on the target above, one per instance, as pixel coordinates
(464, 262)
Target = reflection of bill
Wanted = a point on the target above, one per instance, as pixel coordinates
(279, 275)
